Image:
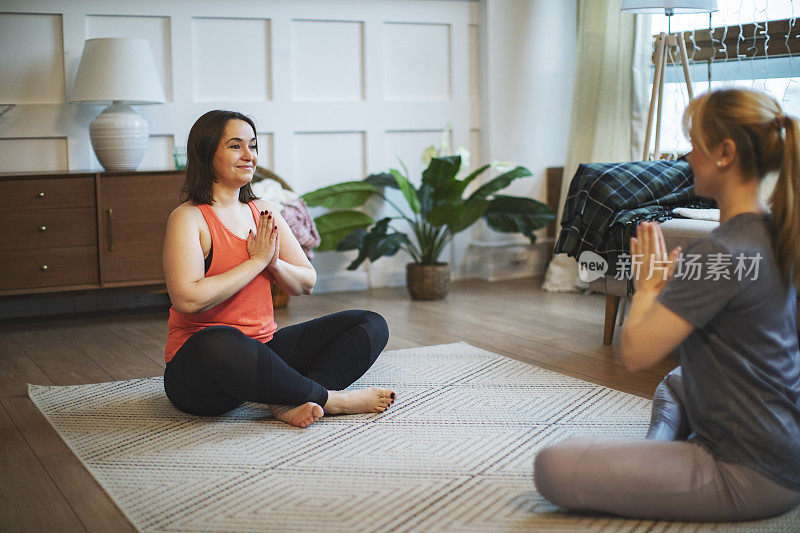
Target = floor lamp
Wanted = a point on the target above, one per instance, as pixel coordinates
(665, 42)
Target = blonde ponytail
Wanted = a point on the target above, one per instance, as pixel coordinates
(785, 203)
(767, 141)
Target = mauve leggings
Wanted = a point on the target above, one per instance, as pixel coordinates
(219, 367)
(661, 478)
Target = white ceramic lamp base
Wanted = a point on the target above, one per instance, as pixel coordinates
(119, 137)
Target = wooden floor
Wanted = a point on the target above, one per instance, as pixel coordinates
(43, 487)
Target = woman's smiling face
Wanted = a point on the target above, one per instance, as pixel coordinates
(237, 154)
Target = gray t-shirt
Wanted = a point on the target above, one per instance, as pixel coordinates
(741, 366)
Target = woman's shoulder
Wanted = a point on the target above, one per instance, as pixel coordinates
(710, 244)
(262, 205)
(187, 212)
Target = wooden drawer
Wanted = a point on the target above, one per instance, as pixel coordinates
(23, 269)
(46, 193)
(23, 230)
(133, 220)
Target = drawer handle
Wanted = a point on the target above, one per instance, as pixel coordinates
(110, 229)
(42, 228)
(40, 195)
(44, 268)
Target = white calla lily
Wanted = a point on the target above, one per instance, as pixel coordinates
(429, 153)
(503, 166)
(465, 155)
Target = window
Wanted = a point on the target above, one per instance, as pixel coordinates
(753, 44)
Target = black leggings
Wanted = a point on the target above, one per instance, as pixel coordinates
(219, 367)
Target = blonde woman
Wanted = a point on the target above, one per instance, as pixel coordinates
(724, 438)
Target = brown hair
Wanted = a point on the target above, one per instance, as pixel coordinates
(766, 141)
(202, 144)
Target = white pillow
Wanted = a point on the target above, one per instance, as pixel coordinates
(698, 214)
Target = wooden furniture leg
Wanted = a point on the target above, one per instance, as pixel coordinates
(612, 304)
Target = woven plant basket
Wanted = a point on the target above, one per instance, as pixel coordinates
(279, 298)
(428, 282)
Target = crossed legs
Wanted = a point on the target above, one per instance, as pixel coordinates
(661, 478)
(298, 374)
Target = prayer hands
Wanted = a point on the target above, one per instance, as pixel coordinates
(263, 245)
(652, 267)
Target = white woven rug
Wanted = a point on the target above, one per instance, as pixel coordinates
(454, 453)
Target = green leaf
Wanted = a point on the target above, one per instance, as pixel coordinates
(384, 179)
(378, 243)
(460, 216)
(425, 195)
(352, 241)
(405, 168)
(333, 227)
(341, 196)
(408, 190)
(388, 245)
(441, 177)
(500, 182)
(512, 214)
(466, 181)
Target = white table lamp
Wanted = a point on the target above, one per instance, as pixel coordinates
(664, 44)
(119, 71)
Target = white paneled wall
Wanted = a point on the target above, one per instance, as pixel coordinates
(231, 60)
(154, 29)
(327, 61)
(338, 89)
(33, 154)
(31, 61)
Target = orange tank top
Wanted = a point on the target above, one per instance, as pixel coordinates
(249, 310)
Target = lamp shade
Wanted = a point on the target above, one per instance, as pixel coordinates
(117, 70)
(669, 7)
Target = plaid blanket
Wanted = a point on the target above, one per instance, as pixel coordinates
(606, 202)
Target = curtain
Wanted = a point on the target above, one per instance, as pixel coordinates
(609, 105)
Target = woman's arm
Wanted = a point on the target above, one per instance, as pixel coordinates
(290, 267)
(189, 290)
(651, 330)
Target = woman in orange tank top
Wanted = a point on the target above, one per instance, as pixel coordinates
(224, 248)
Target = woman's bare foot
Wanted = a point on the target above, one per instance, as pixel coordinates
(371, 400)
(301, 416)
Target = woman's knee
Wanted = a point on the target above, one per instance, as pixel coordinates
(674, 380)
(377, 329)
(554, 469)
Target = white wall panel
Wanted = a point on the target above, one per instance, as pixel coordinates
(266, 150)
(33, 155)
(231, 59)
(325, 158)
(31, 59)
(155, 29)
(408, 147)
(474, 63)
(328, 60)
(159, 153)
(416, 61)
(476, 155)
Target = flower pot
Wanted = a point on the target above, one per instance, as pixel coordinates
(428, 282)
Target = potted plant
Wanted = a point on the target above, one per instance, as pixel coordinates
(440, 208)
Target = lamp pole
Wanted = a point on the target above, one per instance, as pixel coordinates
(664, 44)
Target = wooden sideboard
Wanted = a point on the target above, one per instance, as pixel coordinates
(83, 230)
